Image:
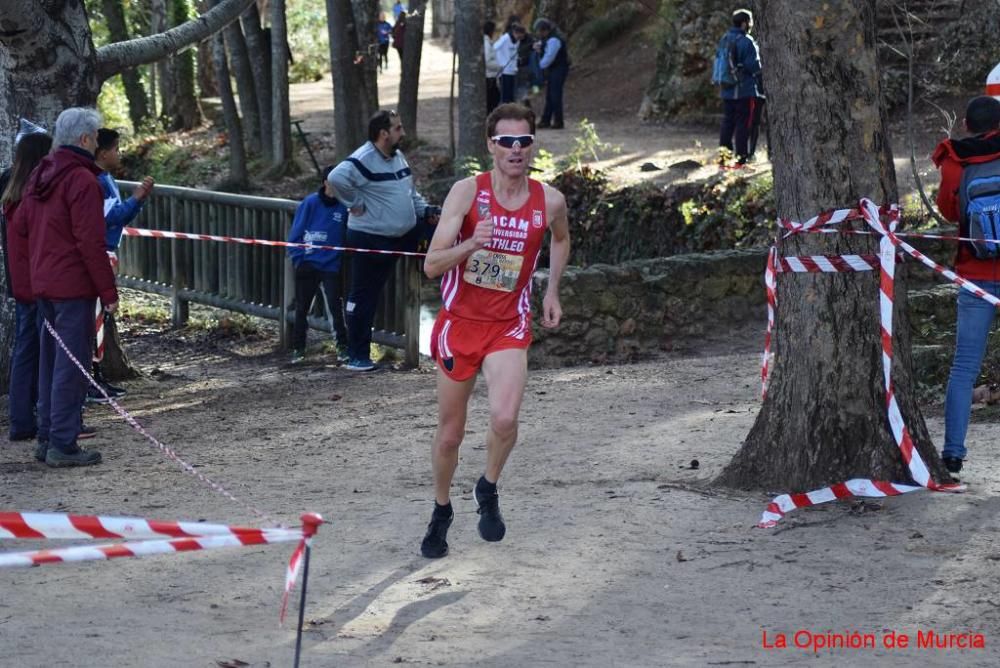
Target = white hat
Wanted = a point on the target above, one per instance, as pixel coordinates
(993, 83)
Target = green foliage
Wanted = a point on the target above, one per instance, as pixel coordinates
(469, 166)
(113, 104)
(604, 29)
(308, 39)
(586, 146)
(177, 159)
(643, 221)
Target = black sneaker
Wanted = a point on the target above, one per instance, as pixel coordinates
(22, 436)
(94, 396)
(41, 449)
(952, 464)
(114, 390)
(435, 545)
(74, 457)
(491, 526)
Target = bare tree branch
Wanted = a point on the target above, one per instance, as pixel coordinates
(908, 41)
(114, 58)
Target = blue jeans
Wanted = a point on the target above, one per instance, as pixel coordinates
(61, 385)
(975, 317)
(369, 272)
(554, 95)
(507, 84)
(23, 393)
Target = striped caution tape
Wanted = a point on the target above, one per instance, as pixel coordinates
(165, 234)
(147, 538)
(888, 245)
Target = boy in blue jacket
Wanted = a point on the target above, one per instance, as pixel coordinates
(322, 220)
(742, 103)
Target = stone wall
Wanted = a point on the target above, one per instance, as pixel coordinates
(621, 313)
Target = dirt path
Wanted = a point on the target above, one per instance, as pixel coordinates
(617, 553)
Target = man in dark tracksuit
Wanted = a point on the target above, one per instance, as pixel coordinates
(61, 218)
(376, 185)
(744, 102)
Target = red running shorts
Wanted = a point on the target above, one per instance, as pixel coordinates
(459, 346)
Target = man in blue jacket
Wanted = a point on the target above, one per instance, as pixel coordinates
(321, 220)
(743, 102)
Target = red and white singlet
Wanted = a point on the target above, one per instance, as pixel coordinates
(494, 283)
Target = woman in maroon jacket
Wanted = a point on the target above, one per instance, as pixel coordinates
(23, 392)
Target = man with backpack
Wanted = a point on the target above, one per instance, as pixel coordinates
(970, 195)
(737, 72)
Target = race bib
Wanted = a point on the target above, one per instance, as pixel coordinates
(492, 270)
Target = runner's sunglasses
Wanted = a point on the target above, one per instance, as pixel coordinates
(508, 141)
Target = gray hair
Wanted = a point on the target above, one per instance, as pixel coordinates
(74, 123)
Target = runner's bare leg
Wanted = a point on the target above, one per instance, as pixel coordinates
(506, 373)
(453, 404)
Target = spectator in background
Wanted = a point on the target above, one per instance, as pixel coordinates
(397, 11)
(505, 50)
(399, 36)
(742, 103)
(376, 185)
(492, 67)
(22, 396)
(61, 217)
(322, 220)
(117, 215)
(383, 31)
(554, 63)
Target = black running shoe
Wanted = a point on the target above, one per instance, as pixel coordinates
(953, 464)
(491, 526)
(435, 545)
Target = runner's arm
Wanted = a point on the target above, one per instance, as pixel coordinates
(444, 253)
(558, 255)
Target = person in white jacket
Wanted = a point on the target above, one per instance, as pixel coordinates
(492, 67)
(505, 50)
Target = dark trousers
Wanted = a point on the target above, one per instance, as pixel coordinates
(309, 279)
(553, 113)
(383, 56)
(508, 83)
(61, 385)
(369, 272)
(492, 94)
(741, 126)
(23, 394)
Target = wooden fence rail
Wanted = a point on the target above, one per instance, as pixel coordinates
(249, 279)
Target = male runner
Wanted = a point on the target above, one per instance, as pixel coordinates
(486, 247)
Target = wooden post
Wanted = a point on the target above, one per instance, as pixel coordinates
(178, 271)
(287, 290)
(412, 299)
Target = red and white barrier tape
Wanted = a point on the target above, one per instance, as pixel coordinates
(162, 447)
(827, 263)
(918, 469)
(184, 537)
(165, 234)
(770, 284)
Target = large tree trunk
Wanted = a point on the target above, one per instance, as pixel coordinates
(365, 15)
(163, 75)
(237, 153)
(280, 120)
(349, 120)
(138, 105)
(184, 112)
(240, 59)
(824, 418)
(409, 78)
(260, 65)
(471, 80)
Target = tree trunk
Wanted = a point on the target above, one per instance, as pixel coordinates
(115, 365)
(237, 153)
(240, 59)
(471, 80)
(365, 15)
(280, 120)
(158, 23)
(349, 119)
(184, 112)
(443, 23)
(409, 78)
(138, 106)
(824, 418)
(260, 66)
